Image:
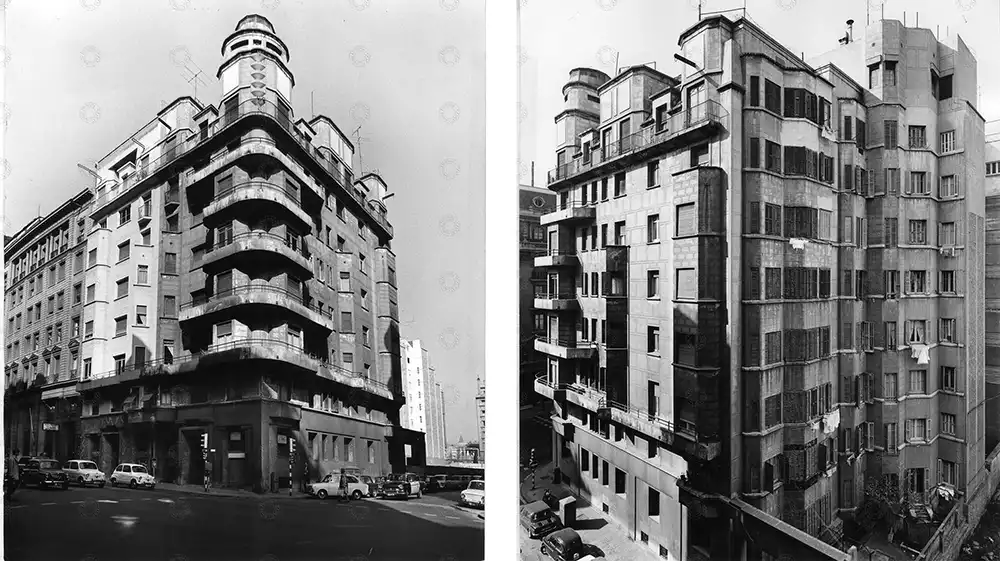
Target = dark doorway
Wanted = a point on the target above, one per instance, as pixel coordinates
(196, 460)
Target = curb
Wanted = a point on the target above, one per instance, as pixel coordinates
(229, 495)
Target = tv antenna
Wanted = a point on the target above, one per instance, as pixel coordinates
(193, 76)
(358, 138)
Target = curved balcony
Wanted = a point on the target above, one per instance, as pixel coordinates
(239, 250)
(565, 348)
(222, 303)
(262, 193)
(558, 258)
(569, 211)
(559, 302)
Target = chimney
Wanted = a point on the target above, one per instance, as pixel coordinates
(850, 30)
(532, 173)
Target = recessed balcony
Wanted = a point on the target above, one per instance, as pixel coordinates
(565, 348)
(559, 301)
(558, 258)
(260, 193)
(570, 211)
(231, 251)
(224, 303)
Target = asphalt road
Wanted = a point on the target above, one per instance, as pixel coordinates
(117, 524)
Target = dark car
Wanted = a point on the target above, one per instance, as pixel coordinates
(563, 545)
(410, 483)
(538, 519)
(390, 489)
(44, 473)
(370, 481)
(435, 483)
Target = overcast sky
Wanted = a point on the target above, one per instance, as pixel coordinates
(83, 75)
(559, 35)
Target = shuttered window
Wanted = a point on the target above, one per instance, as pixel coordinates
(686, 220)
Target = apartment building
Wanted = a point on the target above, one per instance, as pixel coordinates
(992, 188)
(534, 203)
(229, 233)
(762, 287)
(481, 415)
(424, 398)
(43, 288)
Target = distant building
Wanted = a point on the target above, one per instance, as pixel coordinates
(465, 452)
(424, 409)
(992, 284)
(481, 411)
(534, 203)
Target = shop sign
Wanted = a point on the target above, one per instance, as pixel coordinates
(50, 426)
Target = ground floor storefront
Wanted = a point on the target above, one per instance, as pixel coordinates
(43, 423)
(254, 444)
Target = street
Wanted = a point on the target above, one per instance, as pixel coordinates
(111, 524)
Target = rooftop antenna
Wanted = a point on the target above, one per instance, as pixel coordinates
(195, 79)
(699, 10)
(312, 103)
(358, 138)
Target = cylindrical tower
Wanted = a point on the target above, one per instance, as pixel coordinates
(255, 59)
(582, 110)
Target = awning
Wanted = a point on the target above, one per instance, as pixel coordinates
(68, 391)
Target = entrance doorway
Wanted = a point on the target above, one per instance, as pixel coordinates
(196, 459)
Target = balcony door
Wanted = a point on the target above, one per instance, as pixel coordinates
(553, 287)
(624, 136)
(553, 243)
(553, 334)
(653, 399)
(695, 104)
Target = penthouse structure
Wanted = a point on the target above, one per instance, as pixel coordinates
(764, 287)
(239, 290)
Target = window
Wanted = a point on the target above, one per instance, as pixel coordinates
(346, 322)
(142, 275)
(653, 284)
(948, 186)
(891, 233)
(620, 184)
(91, 293)
(119, 364)
(91, 258)
(772, 343)
(653, 228)
(169, 306)
(918, 136)
(916, 332)
(124, 216)
(889, 73)
(653, 340)
(146, 237)
(944, 87)
(755, 91)
(890, 335)
(947, 423)
(122, 285)
(993, 168)
(891, 436)
(687, 285)
(362, 263)
(890, 386)
(891, 128)
(947, 141)
(752, 284)
(365, 337)
(754, 156)
(60, 300)
(918, 184)
(918, 382)
(917, 282)
(918, 232)
(123, 251)
(87, 366)
(652, 174)
(772, 96)
(948, 330)
(223, 329)
(120, 325)
(948, 282)
(686, 220)
(892, 180)
(949, 472)
(140, 315)
(917, 430)
(699, 155)
(349, 449)
(772, 220)
(170, 263)
(772, 156)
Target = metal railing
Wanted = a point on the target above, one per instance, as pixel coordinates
(258, 184)
(561, 252)
(705, 112)
(566, 343)
(248, 342)
(574, 203)
(229, 240)
(556, 295)
(334, 168)
(638, 413)
(258, 289)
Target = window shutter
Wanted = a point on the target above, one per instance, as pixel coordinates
(940, 471)
(906, 282)
(908, 430)
(957, 185)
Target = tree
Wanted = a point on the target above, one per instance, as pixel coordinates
(883, 504)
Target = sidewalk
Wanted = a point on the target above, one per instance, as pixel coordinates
(234, 493)
(609, 538)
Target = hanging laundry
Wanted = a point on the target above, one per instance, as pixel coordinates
(797, 243)
(831, 421)
(921, 353)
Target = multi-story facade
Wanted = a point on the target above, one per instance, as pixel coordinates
(992, 158)
(481, 415)
(44, 274)
(425, 402)
(239, 233)
(535, 202)
(762, 287)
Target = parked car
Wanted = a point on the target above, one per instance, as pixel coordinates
(84, 472)
(44, 473)
(435, 483)
(563, 545)
(370, 482)
(402, 484)
(475, 495)
(133, 475)
(330, 486)
(539, 520)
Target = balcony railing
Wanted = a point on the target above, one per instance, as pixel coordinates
(566, 343)
(703, 113)
(334, 168)
(638, 413)
(572, 203)
(556, 295)
(257, 184)
(296, 247)
(561, 252)
(258, 289)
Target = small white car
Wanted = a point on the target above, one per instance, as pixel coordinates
(330, 486)
(84, 472)
(475, 495)
(133, 475)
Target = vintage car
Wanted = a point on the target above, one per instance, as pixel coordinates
(563, 545)
(538, 519)
(133, 475)
(44, 473)
(401, 485)
(435, 483)
(475, 495)
(330, 487)
(84, 472)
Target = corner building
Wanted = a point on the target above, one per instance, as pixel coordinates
(764, 288)
(240, 291)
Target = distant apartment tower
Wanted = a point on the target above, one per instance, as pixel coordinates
(759, 273)
(534, 203)
(43, 290)
(992, 158)
(239, 287)
(424, 400)
(481, 414)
